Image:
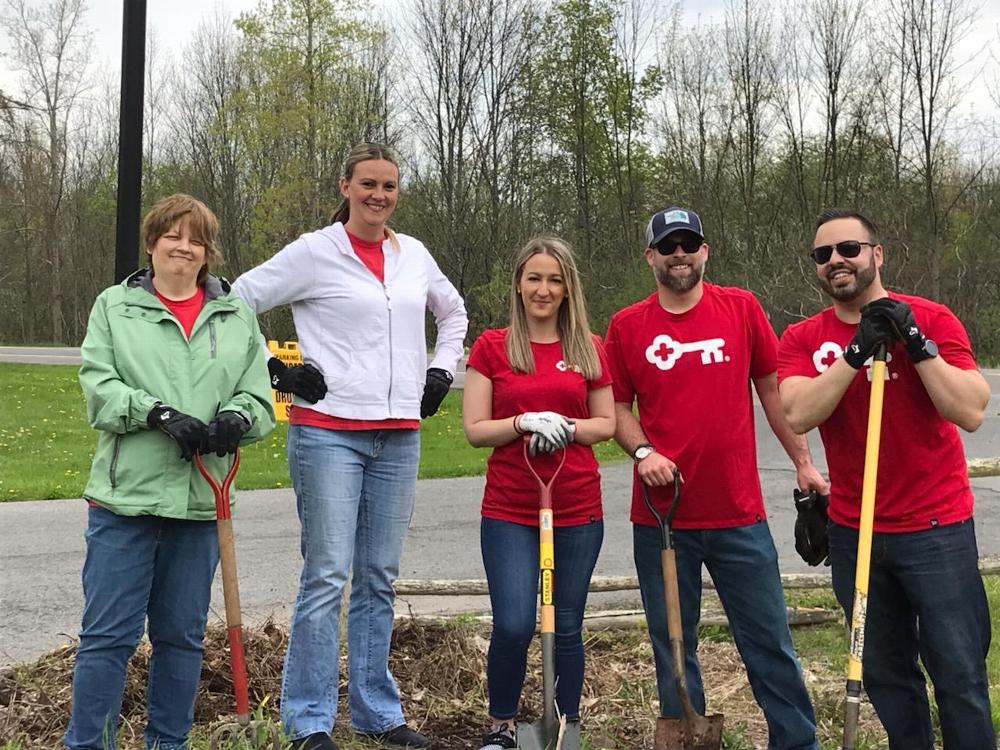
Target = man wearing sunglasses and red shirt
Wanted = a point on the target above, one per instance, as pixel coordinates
(687, 355)
(925, 595)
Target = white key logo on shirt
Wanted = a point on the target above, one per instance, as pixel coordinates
(664, 351)
(563, 367)
(830, 351)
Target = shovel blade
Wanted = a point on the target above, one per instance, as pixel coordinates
(571, 736)
(533, 737)
(694, 733)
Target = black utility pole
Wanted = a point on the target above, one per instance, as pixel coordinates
(130, 137)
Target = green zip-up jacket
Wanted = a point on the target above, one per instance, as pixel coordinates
(135, 354)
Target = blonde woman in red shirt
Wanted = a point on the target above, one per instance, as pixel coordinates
(545, 376)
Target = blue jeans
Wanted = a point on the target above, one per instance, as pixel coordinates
(926, 597)
(510, 556)
(354, 491)
(138, 567)
(743, 564)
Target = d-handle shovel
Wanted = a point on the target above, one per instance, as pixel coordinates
(852, 705)
(243, 728)
(551, 733)
(692, 731)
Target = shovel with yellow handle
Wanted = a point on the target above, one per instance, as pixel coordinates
(852, 706)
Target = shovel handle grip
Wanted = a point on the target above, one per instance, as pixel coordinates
(544, 487)
(664, 521)
(221, 491)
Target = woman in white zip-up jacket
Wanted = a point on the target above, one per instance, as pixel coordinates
(358, 293)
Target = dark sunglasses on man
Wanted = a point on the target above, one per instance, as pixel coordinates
(845, 249)
(689, 243)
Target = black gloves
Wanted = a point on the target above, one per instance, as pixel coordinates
(435, 389)
(188, 432)
(224, 433)
(811, 526)
(304, 381)
(872, 331)
(898, 315)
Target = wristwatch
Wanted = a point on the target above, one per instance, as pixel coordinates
(642, 451)
(930, 349)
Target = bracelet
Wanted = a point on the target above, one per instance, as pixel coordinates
(517, 429)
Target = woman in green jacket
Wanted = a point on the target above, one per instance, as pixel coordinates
(172, 365)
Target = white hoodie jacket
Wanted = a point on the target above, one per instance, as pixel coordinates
(365, 336)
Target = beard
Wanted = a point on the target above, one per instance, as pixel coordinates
(677, 283)
(863, 278)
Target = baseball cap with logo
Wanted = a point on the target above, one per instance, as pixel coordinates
(671, 220)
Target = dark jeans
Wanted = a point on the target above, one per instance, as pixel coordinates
(743, 564)
(510, 556)
(926, 597)
(138, 567)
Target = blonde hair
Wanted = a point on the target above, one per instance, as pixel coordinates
(201, 222)
(574, 331)
(359, 153)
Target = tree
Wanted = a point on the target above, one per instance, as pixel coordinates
(50, 51)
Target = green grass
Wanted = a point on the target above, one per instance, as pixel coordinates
(46, 444)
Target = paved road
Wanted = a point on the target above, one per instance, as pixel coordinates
(40, 355)
(41, 546)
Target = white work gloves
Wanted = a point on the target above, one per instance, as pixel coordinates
(549, 431)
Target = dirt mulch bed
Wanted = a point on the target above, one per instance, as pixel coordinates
(440, 668)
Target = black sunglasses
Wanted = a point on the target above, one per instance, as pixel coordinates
(846, 249)
(689, 244)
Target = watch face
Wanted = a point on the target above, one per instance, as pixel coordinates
(641, 452)
(931, 347)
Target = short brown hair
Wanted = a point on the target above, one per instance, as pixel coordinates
(200, 220)
(830, 214)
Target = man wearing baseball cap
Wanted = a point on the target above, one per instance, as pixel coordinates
(687, 355)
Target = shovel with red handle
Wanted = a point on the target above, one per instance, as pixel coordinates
(263, 733)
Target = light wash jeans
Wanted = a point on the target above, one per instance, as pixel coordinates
(138, 567)
(354, 491)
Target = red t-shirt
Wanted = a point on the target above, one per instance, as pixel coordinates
(690, 374)
(370, 253)
(185, 310)
(922, 477)
(512, 493)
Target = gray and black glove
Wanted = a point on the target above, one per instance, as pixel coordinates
(435, 389)
(899, 316)
(871, 331)
(305, 381)
(225, 431)
(811, 526)
(188, 432)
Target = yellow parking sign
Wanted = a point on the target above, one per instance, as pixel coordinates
(288, 352)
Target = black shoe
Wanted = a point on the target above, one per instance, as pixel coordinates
(502, 739)
(317, 741)
(401, 736)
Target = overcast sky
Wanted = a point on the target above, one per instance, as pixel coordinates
(172, 22)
